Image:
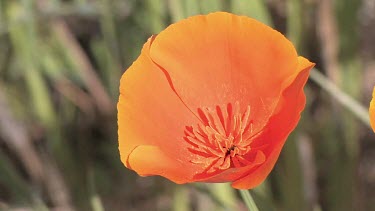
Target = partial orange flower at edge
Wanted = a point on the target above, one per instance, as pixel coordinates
(211, 99)
(372, 110)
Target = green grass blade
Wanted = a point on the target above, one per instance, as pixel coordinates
(256, 9)
(344, 99)
(249, 201)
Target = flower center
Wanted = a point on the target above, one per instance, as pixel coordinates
(222, 139)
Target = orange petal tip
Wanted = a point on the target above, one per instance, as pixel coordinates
(372, 111)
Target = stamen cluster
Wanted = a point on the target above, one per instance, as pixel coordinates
(222, 139)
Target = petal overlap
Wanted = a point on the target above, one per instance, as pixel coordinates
(279, 127)
(151, 114)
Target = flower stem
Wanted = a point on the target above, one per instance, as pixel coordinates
(249, 201)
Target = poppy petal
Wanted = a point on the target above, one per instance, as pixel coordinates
(232, 174)
(224, 58)
(372, 110)
(292, 103)
(150, 113)
(149, 160)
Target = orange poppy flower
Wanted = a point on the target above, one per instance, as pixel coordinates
(372, 110)
(211, 99)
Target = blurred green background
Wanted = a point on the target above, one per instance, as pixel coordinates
(60, 65)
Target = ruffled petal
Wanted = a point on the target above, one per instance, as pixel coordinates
(223, 58)
(279, 127)
(232, 174)
(150, 113)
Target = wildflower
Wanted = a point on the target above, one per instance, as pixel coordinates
(212, 98)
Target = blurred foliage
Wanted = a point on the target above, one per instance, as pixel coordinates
(60, 65)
